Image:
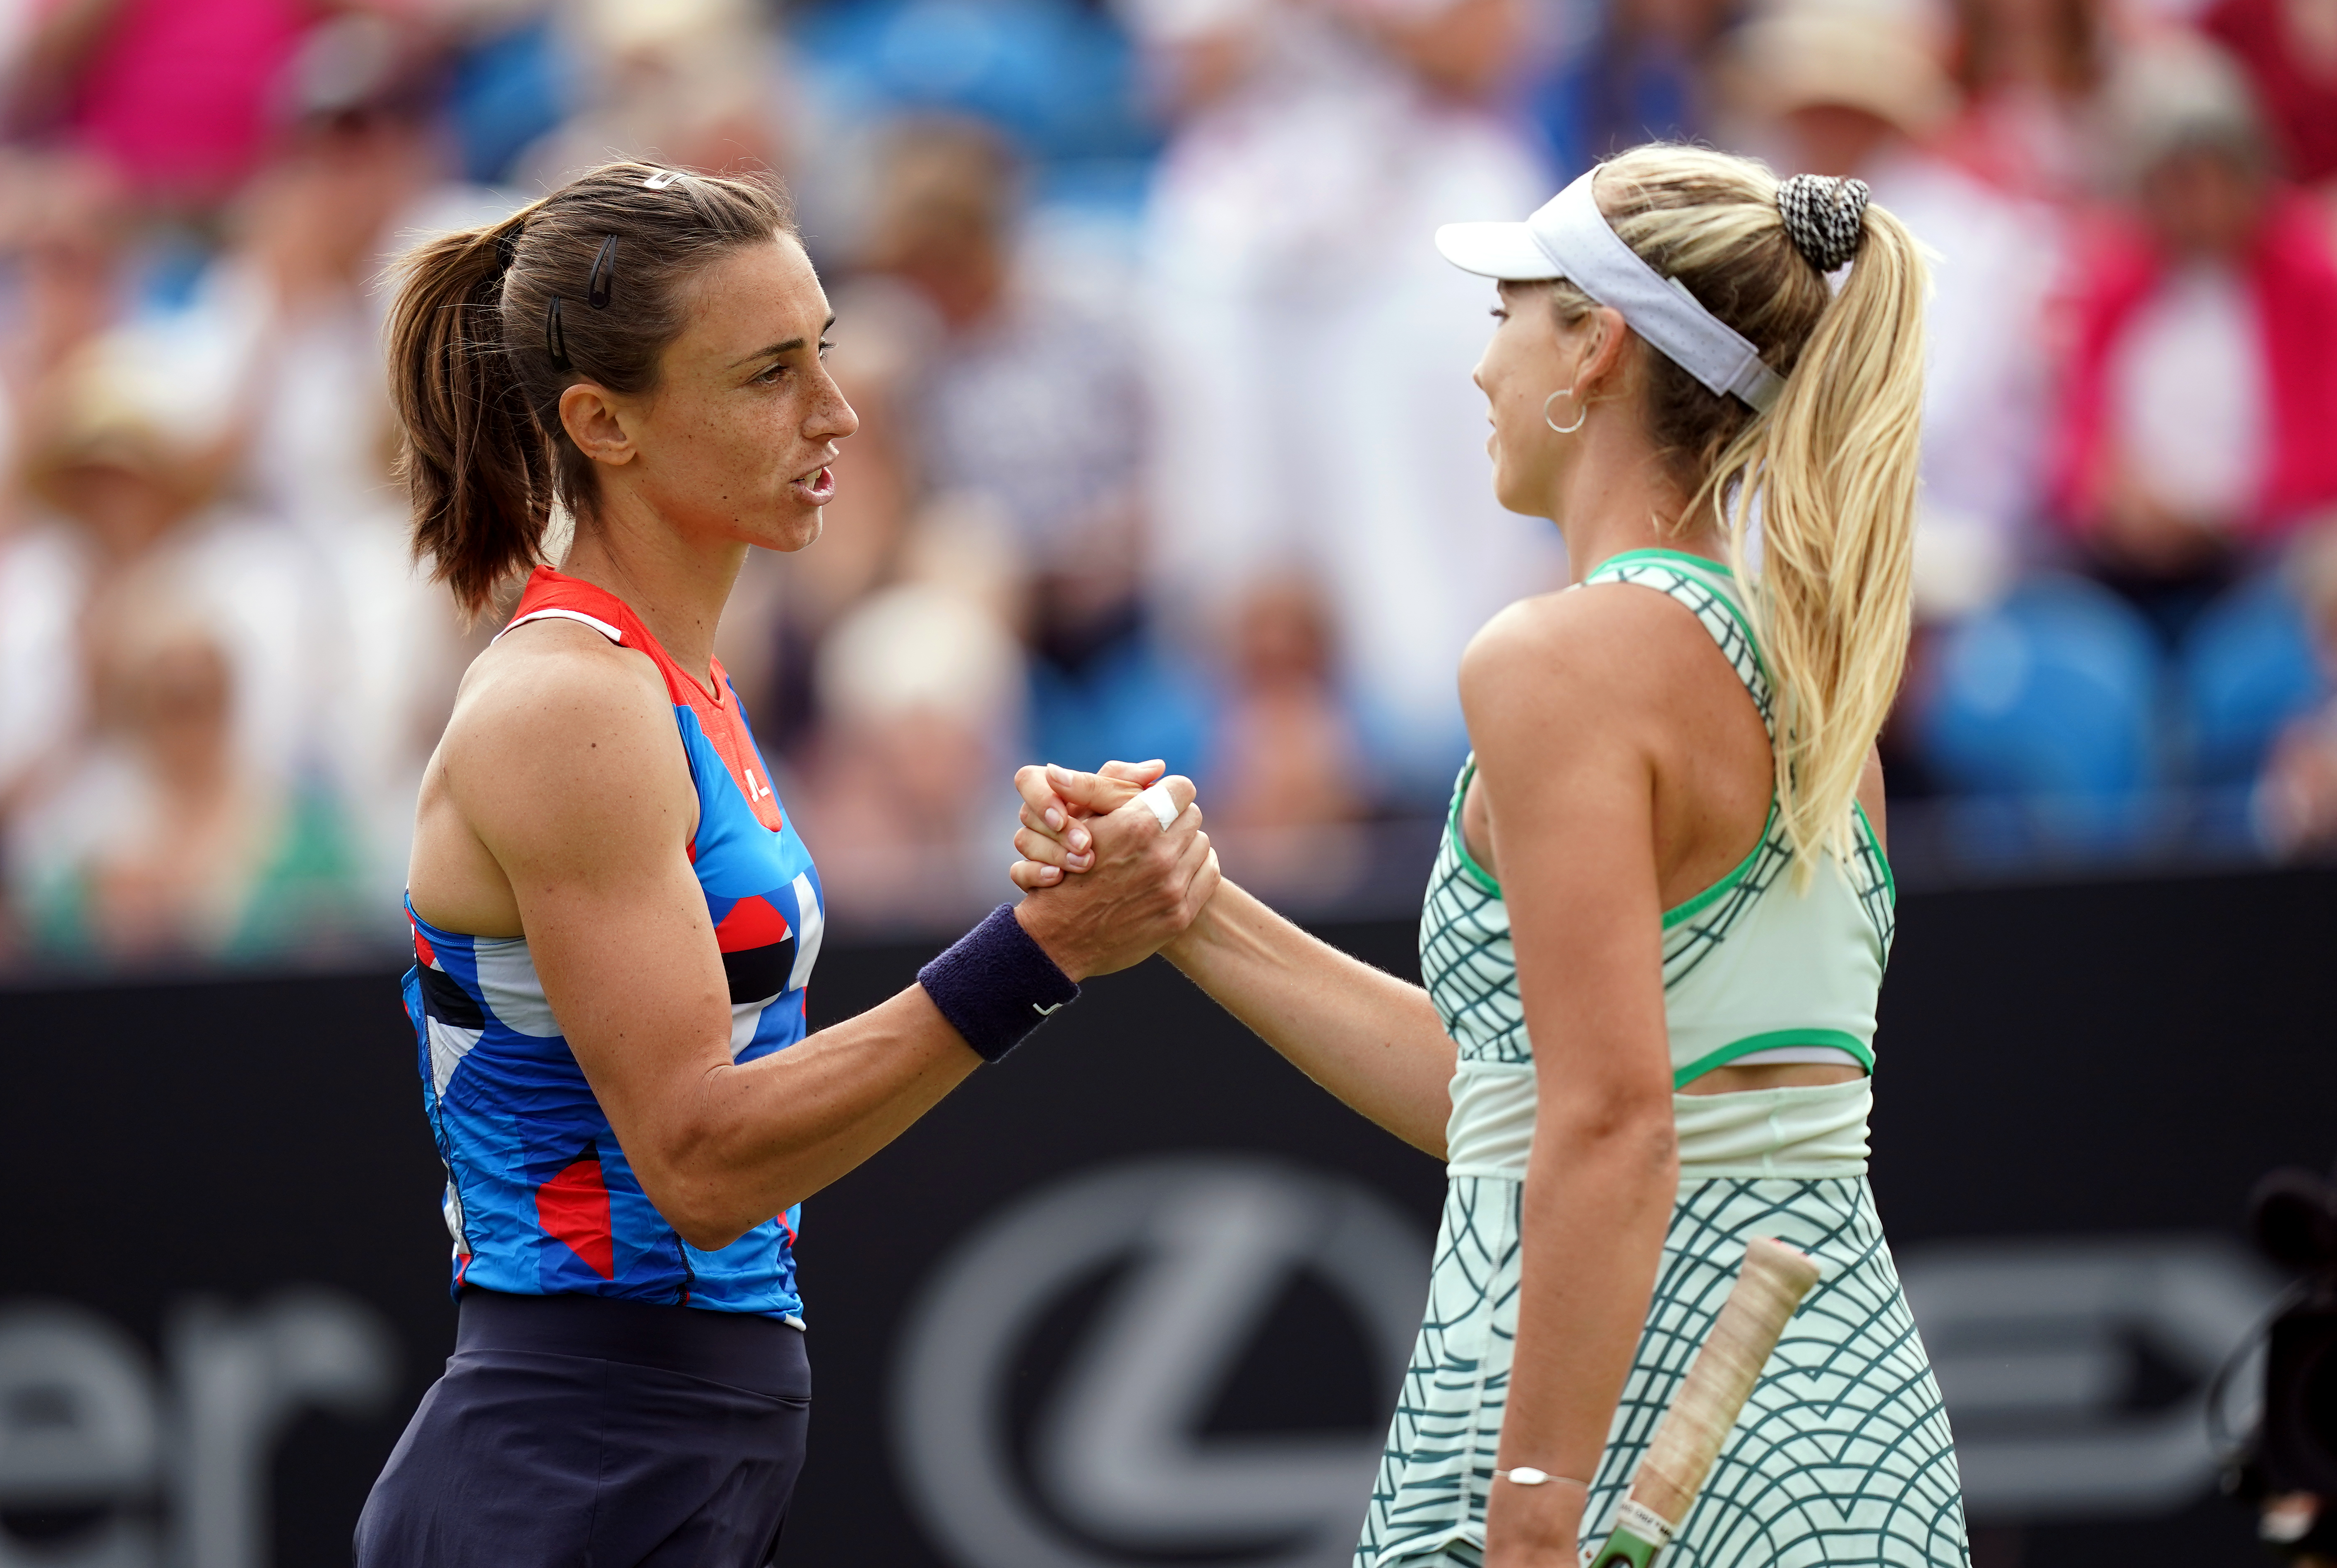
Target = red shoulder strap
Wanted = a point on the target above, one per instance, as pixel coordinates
(555, 595)
(552, 595)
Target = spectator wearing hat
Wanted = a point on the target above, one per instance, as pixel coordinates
(1857, 90)
(2030, 72)
(128, 463)
(2203, 385)
(2191, 448)
(921, 689)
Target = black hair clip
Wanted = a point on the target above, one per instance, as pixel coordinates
(603, 279)
(555, 342)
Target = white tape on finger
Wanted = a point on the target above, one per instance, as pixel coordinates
(1156, 798)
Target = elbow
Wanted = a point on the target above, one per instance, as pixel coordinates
(695, 1191)
(713, 1175)
(709, 1221)
(1633, 1130)
(694, 1208)
(703, 1234)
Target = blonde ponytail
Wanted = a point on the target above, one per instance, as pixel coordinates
(1827, 475)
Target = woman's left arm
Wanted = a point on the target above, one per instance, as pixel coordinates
(1565, 710)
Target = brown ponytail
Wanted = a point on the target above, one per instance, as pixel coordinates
(476, 375)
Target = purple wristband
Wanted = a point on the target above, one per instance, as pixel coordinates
(995, 985)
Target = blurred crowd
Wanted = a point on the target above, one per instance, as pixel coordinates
(1168, 447)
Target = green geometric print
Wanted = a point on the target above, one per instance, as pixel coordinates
(1465, 952)
(1466, 958)
(1842, 1458)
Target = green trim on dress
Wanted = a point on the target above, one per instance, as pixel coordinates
(1837, 1039)
(1694, 904)
(1653, 553)
(1477, 874)
(1698, 903)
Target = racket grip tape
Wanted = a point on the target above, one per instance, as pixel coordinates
(1702, 1414)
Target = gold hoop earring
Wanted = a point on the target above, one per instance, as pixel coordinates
(1582, 412)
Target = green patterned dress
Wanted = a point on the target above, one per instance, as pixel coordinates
(1843, 1458)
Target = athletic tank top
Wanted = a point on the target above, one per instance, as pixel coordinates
(1754, 969)
(539, 1195)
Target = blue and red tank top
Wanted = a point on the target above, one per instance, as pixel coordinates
(539, 1196)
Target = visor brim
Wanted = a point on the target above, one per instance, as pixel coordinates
(1504, 251)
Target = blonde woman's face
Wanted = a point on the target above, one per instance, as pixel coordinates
(1530, 357)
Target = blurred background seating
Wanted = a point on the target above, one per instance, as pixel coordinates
(1170, 448)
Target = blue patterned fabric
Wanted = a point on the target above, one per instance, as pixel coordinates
(540, 1198)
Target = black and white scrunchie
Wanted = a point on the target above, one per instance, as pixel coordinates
(1824, 218)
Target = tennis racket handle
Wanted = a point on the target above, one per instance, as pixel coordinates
(1704, 1411)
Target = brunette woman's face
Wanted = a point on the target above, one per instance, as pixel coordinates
(737, 440)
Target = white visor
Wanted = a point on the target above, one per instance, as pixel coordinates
(1570, 238)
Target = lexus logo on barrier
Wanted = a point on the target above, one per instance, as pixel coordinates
(1184, 1266)
(2076, 1370)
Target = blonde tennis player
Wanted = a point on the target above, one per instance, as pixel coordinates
(1655, 930)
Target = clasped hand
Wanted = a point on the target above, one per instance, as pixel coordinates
(1108, 886)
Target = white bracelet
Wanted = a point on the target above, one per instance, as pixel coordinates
(1526, 1476)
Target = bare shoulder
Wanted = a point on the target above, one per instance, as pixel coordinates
(1601, 647)
(557, 733)
(553, 684)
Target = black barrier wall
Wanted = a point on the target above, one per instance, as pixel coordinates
(1138, 1295)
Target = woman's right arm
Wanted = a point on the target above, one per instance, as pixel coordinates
(566, 768)
(1372, 1040)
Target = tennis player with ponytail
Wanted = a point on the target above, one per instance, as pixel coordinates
(613, 919)
(1656, 932)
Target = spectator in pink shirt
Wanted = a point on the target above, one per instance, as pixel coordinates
(174, 92)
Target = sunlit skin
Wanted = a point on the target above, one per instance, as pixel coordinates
(559, 804)
(1620, 770)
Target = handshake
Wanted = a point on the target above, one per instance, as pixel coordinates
(1114, 863)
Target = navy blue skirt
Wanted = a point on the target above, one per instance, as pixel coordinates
(576, 1430)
